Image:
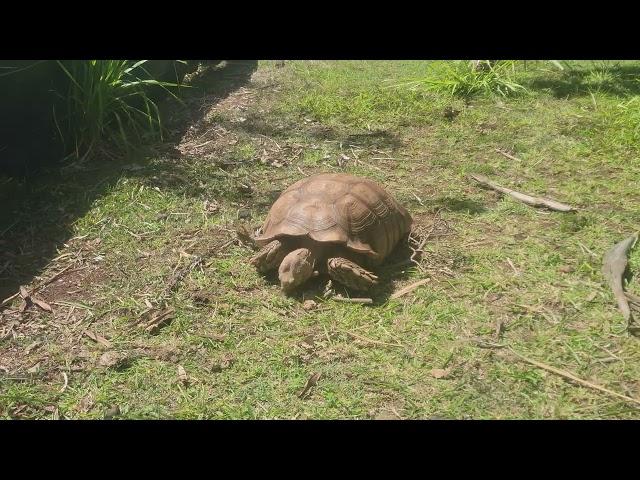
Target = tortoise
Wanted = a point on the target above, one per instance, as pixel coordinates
(332, 223)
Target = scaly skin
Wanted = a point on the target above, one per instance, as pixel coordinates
(350, 274)
(269, 257)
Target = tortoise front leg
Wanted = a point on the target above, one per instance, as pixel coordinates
(269, 257)
(350, 274)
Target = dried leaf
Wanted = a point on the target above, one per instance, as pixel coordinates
(24, 293)
(42, 304)
(19, 408)
(182, 375)
(23, 306)
(313, 379)
(35, 368)
(97, 338)
(440, 372)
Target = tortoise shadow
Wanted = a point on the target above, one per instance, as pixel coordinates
(376, 139)
(396, 268)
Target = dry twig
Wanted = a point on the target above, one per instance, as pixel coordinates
(524, 198)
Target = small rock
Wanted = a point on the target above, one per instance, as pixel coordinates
(110, 359)
(309, 305)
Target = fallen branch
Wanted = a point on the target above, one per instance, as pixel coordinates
(527, 199)
(410, 288)
(614, 265)
(158, 320)
(562, 373)
(417, 251)
(572, 377)
(419, 240)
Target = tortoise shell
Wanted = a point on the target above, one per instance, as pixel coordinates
(340, 209)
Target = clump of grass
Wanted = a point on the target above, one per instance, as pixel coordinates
(616, 127)
(625, 121)
(458, 79)
(108, 105)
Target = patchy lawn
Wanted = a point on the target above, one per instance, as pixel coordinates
(159, 315)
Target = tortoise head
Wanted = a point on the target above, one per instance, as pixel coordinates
(296, 268)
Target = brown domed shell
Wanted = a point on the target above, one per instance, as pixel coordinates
(342, 209)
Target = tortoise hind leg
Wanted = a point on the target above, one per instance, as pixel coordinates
(350, 274)
(269, 257)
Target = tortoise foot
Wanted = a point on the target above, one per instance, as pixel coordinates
(269, 257)
(350, 274)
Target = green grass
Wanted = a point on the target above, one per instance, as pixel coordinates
(458, 79)
(108, 106)
(248, 350)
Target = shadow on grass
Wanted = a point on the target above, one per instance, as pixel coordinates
(619, 80)
(459, 205)
(37, 214)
